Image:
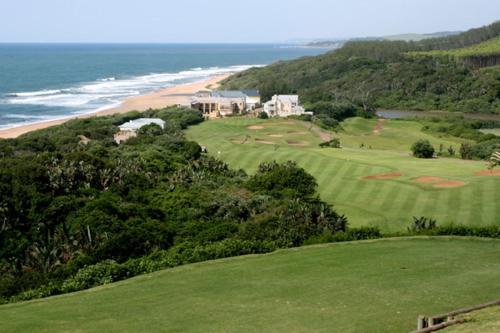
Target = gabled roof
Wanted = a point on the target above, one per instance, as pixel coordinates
(229, 94)
(251, 92)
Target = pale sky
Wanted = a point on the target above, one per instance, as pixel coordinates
(228, 21)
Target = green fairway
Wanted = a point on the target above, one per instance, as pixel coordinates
(372, 286)
(389, 204)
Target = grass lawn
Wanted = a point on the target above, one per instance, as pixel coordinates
(484, 321)
(373, 286)
(389, 204)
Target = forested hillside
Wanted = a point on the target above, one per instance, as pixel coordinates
(485, 54)
(380, 74)
(78, 210)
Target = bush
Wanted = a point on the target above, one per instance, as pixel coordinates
(150, 130)
(334, 143)
(468, 231)
(422, 224)
(262, 115)
(282, 180)
(325, 121)
(101, 273)
(423, 149)
(466, 151)
(351, 234)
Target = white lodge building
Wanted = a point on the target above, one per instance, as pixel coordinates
(284, 106)
(226, 102)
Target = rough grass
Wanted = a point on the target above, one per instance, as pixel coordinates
(389, 204)
(495, 131)
(374, 286)
(484, 321)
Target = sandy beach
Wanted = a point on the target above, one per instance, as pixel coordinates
(175, 95)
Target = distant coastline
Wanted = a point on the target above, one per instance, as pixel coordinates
(178, 94)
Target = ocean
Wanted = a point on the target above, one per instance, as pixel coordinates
(40, 82)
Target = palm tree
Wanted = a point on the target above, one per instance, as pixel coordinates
(494, 160)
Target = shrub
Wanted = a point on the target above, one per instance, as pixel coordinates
(423, 149)
(466, 151)
(95, 275)
(325, 121)
(262, 115)
(351, 234)
(151, 130)
(462, 230)
(282, 180)
(334, 143)
(422, 224)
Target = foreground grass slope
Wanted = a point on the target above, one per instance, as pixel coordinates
(389, 204)
(484, 321)
(374, 286)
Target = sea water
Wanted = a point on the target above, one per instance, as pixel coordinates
(40, 82)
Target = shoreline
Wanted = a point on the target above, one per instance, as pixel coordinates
(174, 95)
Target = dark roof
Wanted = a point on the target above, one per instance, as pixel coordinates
(236, 93)
(229, 94)
(251, 92)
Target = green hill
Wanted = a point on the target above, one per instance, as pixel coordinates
(377, 74)
(374, 286)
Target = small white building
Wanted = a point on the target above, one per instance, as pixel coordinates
(137, 124)
(284, 106)
(129, 129)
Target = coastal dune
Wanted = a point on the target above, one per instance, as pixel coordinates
(175, 95)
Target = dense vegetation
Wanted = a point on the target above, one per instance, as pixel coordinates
(379, 74)
(78, 210)
(481, 145)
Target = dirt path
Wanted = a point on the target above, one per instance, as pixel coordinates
(324, 136)
(378, 127)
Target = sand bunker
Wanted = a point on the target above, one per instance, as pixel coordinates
(430, 180)
(264, 142)
(449, 184)
(296, 143)
(275, 135)
(384, 176)
(297, 133)
(488, 173)
(439, 182)
(255, 127)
